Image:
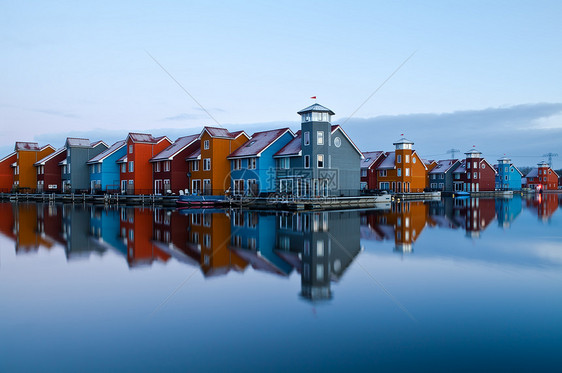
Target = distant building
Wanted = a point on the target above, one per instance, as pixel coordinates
(104, 169)
(542, 178)
(441, 177)
(508, 177)
(49, 177)
(75, 170)
(28, 153)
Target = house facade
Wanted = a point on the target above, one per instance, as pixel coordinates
(136, 169)
(170, 170)
(75, 170)
(474, 174)
(369, 164)
(441, 176)
(542, 178)
(27, 154)
(403, 170)
(209, 166)
(104, 169)
(49, 178)
(252, 164)
(7, 172)
(508, 177)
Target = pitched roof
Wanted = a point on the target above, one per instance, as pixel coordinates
(292, 149)
(99, 142)
(403, 140)
(473, 151)
(316, 107)
(388, 162)
(171, 151)
(443, 166)
(196, 153)
(77, 142)
(107, 152)
(8, 156)
(370, 158)
(533, 173)
(222, 133)
(145, 138)
(42, 162)
(461, 169)
(123, 159)
(23, 145)
(259, 142)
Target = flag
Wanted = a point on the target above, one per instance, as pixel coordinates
(313, 97)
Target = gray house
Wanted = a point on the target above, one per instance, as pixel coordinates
(75, 170)
(441, 176)
(321, 161)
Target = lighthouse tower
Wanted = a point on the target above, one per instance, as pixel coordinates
(473, 159)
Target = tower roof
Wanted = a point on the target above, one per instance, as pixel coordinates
(543, 164)
(473, 151)
(317, 108)
(403, 140)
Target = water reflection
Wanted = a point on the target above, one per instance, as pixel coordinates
(317, 246)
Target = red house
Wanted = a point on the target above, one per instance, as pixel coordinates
(49, 177)
(475, 174)
(369, 166)
(542, 178)
(7, 172)
(136, 169)
(169, 167)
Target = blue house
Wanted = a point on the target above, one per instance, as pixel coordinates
(508, 177)
(104, 170)
(252, 166)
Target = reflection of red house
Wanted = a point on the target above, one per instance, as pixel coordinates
(49, 178)
(136, 231)
(544, 204)
(7, 220)
(170, 169)
(171, 235)
(7, 172)
(478, 213)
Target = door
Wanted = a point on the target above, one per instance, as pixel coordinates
(123, 186)
(157, 186)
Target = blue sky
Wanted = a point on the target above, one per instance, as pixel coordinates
(484, 73)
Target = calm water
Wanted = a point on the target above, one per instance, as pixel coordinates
(457, 285)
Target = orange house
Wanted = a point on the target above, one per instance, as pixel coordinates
(209, 168)
(402, 171)
(28, 153)
(210, 232)
(7, 172)
(136, 169)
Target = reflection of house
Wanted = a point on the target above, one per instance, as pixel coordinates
(76, 232)
(543, 177)
(441, 176)
(76, 172)
(544, 205)
(169, 167)
(253, 239)
(7, 224)
(7, 172)
(26, 228)
(104, 229)
(321, 244)
(210, 232)
(507, 209)
(27, 153)
(171, 234)
(49, 178)
(369, 165)
(104, 169)
(475, 214)
(508, 177)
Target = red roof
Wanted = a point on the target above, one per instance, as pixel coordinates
(172, 150)
(145, 138)
(22, 145)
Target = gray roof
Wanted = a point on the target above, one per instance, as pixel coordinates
(145, 138)
(461, 169)
(196, 153)
(403, 140)
(370, 158)
(77, 142)
(543, 164)
(42, 162)
(473, 151)
(222, 133)
(533, 173)
(388, 162)
(292, 149)
(258, 143)
(23, 145)
(172, 150)
(123, 159)
(317, 108)
(443, 166)
(107, 152)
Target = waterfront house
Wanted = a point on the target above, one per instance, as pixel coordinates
(369, 165)
(508, 177)
(136, 169)
(170, 171)
(252, 164)
(327, 162)
(441, 176)
(104, 169)
(49, 178)
(7, 172)
(75, 170)
(474, 174)
(209, 166)
(25, 174)
(542, 178)
(402, 171)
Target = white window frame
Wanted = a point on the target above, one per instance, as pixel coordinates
(306, 161)
(320, 160)
(306, 138)
(195, 165)
(319, 137)
(206, 144)
(252, 162)
(207, 164)
(131, 166)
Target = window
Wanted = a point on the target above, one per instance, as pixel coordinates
(474, 165)
(475, 175)
(123, 168)
(382, 173)
(320, 159)
(131, 182)
(99, 168)
(131, 166)
(167, 166)
(363, 172)
(399, 158)
(284, 163)
(307, 138)
(252, 163)
(307, 161)
(130, 149)
(195, 166)
(206, 144)
(253, 186)
(320, 248)
(484, 166)
(206, 164)
(157, 167)
(320, 137)
(413, 159)
(398, 172)
(237, 164)
(407, 158)
(407, 171)
(207, 240)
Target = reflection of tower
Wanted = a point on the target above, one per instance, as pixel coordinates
(507, 209)
(479, 214)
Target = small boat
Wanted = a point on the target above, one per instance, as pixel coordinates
(195, 200)
(461, 194)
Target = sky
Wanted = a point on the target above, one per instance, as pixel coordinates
(447, 75)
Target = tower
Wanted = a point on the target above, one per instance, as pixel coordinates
(473, 158)
(403, 162)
